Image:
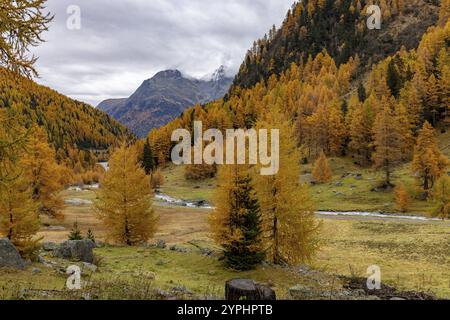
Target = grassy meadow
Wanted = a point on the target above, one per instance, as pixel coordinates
(412, 255)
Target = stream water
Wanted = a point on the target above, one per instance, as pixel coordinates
(205, 205)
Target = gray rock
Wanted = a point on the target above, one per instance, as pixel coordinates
(339, 184)
(76, 250)
(90, 267)
(397, 299)
(161, 244)
(178, 249)
(36, 271)
(206, 252)
(239, 289)
(9, 256)
(299, 292)
(49, 246)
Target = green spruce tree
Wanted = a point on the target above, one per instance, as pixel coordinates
(148, 163)
(90, 235)
(75, 233)
(236, 223)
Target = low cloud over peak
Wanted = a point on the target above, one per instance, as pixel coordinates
(121, 43)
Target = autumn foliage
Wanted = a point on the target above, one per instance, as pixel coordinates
(402, 198)
(321, 172)
(125, 199)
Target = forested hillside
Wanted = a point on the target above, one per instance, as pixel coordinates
(339, 27)
(408, 88)
(74, 128)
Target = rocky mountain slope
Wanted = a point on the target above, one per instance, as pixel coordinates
(162, 98)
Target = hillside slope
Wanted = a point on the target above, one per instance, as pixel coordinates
(71, 125)
(340, 28)
(162, 98)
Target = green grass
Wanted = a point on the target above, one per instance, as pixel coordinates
(353, 195)
(347, 193)
(411, 255)
(177, 186)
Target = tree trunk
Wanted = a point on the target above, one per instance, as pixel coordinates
(245, 289)
(275, 240)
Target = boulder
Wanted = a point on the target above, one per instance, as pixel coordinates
(36, 271)
(91, 268)
(238, 289)
(301, 292)
(76, 250)
(49, 246)
(9, 256)
(161, 244)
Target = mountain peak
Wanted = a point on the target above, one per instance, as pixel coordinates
(219, 74)
(164, 97)
(168, 74)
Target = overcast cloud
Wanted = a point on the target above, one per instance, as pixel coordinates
(123, 42)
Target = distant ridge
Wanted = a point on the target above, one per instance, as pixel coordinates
(162, 98)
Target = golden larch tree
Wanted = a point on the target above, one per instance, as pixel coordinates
(321, 171)
(125, 199)
(441, 195)
(44, 173)
(360, 132)
(428, 162)
(22, 24)
(388, 141)
(19, 219)
(402, 198)
(290, 228)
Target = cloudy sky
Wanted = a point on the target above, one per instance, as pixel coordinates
(123, 42)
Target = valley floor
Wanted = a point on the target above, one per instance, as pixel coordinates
(412, 255)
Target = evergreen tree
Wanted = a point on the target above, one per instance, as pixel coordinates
(125, 200)
(75, 233)
(361, 92)
(428, 162)
(148, 162)
(321, 172)
(90, 235)
(236, 222)
(394, 81)
(388, 141)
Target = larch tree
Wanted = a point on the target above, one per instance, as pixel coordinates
(290, 228)
(388, 141)
(441, 195)
(125, 199)
(360, 132)
(402, 199)
(44, 173)
(19, 219)
(236, 222)
(321, 171)
(22, 25)
(429, 163)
